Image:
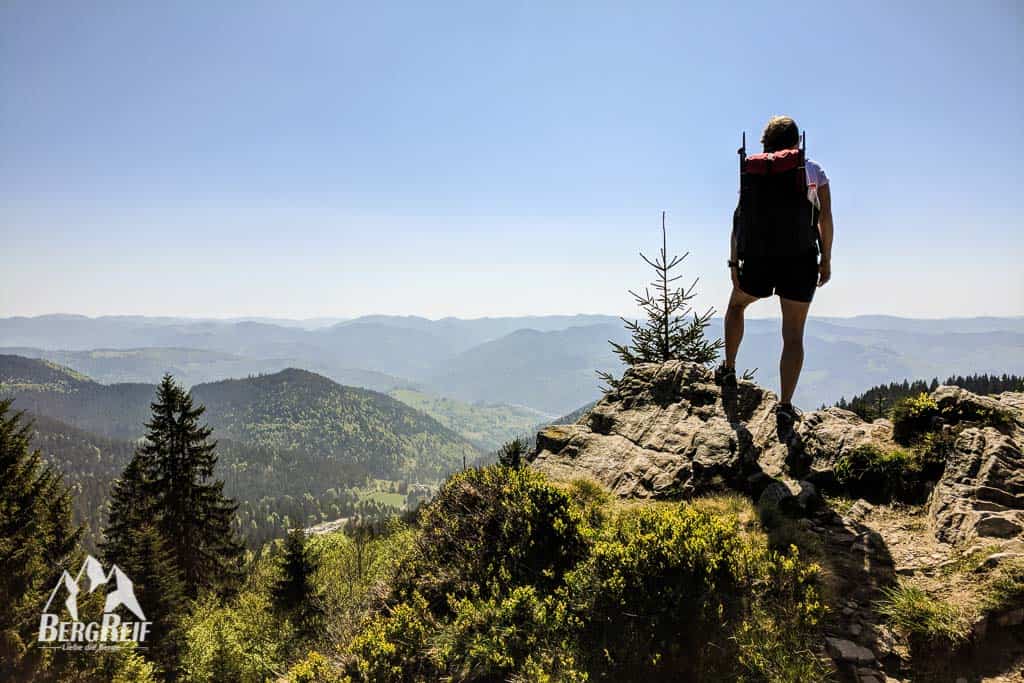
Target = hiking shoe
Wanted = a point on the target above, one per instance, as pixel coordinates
(725, 377)
(787, 413)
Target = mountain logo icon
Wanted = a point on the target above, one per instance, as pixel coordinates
(123, 593)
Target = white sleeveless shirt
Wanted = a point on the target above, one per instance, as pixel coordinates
(815, 178)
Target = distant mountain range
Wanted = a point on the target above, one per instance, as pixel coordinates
(544, 363)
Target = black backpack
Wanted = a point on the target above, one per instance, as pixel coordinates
(774, 216)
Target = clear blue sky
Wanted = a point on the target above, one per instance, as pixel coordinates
(300, 159)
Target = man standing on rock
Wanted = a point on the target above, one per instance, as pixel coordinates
(782, 224)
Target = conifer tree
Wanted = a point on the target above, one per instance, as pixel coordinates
(127, 510)
(512, 453)
(294, 593)
(160, 592)
(672, 330)
(192, 513)
(38, 540)
(171, 483)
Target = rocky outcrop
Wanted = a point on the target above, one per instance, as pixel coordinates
(981, 492)
(668, 431)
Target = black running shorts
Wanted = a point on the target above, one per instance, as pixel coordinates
(793, 277)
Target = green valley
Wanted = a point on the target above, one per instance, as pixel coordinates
(487, 426)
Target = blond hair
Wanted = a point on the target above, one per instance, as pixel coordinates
(780, 133)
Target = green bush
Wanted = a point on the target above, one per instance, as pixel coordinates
(656, 584)
(681, 590)
(972, 412)
(912, 416)
(393, 646)
(491, 529)
(515, 578)
(499, 638)
(916, 416)
(315, 668)
(241, 641)
(905, 474)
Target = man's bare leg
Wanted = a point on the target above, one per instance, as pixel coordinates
(738, 302)
(794, 316)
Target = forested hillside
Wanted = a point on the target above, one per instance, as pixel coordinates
(289, 410)
(298, 409)
(277, 489)
(44, 388)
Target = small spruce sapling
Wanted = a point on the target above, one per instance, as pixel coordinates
(512, 453)
(672, 330)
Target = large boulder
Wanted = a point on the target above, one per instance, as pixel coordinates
(668, 431)
(981, 492)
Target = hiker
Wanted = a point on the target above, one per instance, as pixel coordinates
(781, 244)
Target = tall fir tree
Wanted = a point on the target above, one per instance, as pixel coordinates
(672, 330)
(294, 593)
(127, 510)
(191, 511)
(170, 483)
(38, 540)
(160, 592)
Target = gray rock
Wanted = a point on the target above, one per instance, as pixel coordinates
(798, 499)
(995, 559)
(860, 510)
(667, 431)
(981, 492)
(848, 651)
(866, 675)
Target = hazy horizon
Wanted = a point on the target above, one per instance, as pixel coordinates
(332, 319)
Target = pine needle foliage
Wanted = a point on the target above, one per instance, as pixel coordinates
(672, 330)
(38, 539)
(170, 482)
(513, 453)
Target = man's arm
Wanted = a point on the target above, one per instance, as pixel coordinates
(825, 228)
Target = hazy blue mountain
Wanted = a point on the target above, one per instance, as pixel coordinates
(462, 334)
(404, 347)
(543, 362)
(931, 326)
(551, 371)
(194, 366)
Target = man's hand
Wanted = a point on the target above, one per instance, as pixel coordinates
(824, 272)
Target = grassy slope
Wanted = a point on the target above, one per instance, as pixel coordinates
(486, 426)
